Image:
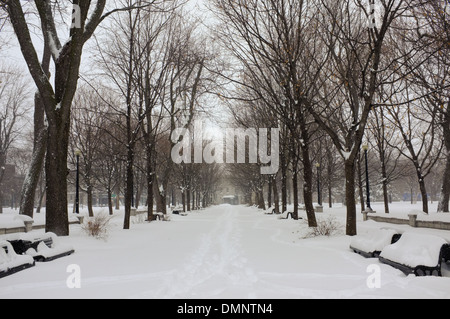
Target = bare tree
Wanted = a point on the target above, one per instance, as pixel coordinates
(88, 122)
(137, 73)
(381, 135)
(350, 80)
(186, 81)
(420, 136)
(57, 97)
(274, 42)
(432, 33)
(13, 108)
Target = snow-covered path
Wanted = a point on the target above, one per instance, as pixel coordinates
(221, 252)
(216, 265)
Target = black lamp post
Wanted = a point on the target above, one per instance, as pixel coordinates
(365, 148)
(77, 183)
(319, 197)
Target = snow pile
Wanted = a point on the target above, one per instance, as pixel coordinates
(23, 218)
(10, 221)
(415, 249)
(375, 240)
(3, 258)
(9, 259)
(43, 250)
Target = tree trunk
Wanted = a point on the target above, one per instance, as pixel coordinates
(350, 197)
(150, 179)
(295, 190)
(276, 199)
(117, 196)
(307, 186)
(443, 205)
(188, 199)
(33, 175)
(283, 182)
(150, 200)
(89, 200)
(424, 194)
(330, 196)
(39, 147)
(129, 186)
(385, 187)
(360, 185)
(160, 197)
(110, 204)
(41, 198)
(37, 160)
(261, 203)
(56, 177)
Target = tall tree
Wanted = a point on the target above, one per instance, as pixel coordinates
(13, 97)
(57, 97)
(274, 42)
(355, 46)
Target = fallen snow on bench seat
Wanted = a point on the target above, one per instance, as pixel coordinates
(415, 250)
(47, 252)
(10, 259)
(375, 240)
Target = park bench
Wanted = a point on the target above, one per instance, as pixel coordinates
(286, 215)
(417, 254)
(372, 243)
(41, 248)
(11, 262)
(178, 210)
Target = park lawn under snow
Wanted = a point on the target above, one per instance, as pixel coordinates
(223, 252)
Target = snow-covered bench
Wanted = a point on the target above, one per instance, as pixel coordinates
(163, 217)
(371, 244)
(40, 248)
(286, 215)
(11, 262)
(417, 254)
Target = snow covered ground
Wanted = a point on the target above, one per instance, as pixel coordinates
(224, 252)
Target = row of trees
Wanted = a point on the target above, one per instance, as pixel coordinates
(342, 73)
(331, 75)
(98, 139)
(150, 77)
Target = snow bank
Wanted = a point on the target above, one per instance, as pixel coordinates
(9, 221)
(10, 259)
(23, 218)
(375, 240)
(415, 249)
(47, 252)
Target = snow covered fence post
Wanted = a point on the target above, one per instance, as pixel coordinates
(412, 220)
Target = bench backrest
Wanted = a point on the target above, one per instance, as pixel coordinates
(414, 249)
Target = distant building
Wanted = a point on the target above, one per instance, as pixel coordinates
(227, 193)
(230, 199)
